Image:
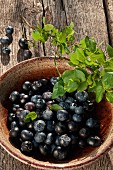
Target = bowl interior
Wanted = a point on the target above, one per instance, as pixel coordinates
(35, 69)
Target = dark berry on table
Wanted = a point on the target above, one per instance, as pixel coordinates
(44, 149)
(84, 132)
(26, 146)
(94, 141)
(35, 144)
(50, 125)
(26, 135)
(22, 123)
(27, 54)
(44, 82)
(82, 143)
(81, 96)
(79, 110)
(61, 99)
(23, 43)
(39, 125)
(5, 41)
(15, 107)
(11, 117)
(62, 115)
(23, 98)
(14, 132)
(74, 139)
(14, 96)
(48, 114)
(18, 111)
(77, 118)
(53, 80)
(14, 124)
(88, 106)
(50, 138)
(47, 95)
(23, 114)
(60, 128)
(26, 85)
(30, 126)
(69, 100)
(6, 51)
(40, 104)
(34, 98)
(40, 137)
(59, 153)
(9, 30)
(92, 123)
(36, 85)
(64, 140)
(72, 126)
(29, 106)
(72, 106)
(64, 105)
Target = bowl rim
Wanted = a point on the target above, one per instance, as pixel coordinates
(52, 165)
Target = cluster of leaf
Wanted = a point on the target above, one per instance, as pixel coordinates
(91, 70)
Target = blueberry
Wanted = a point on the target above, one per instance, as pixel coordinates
(57, 141)
(77, 118)
(79, 110)
(26, 85)
(61, 99)
(92, 123)
(15, 107)
(49, 103)
(72, 126)
(27, 54)
(23, 98)
(23, 43)
(9, 30)
(11, 117)
(84, 132)
(26, 135)
(73, 106)
(6, 51)
(26, 146)
(53, 80)
(47, 95)
(29, 106)
(40, 104)
(64, 105)
(35, 98)
(49, 139)
(94, 141)
(14, 96)
(23, 114)
(59, 153)
(14, 132)
(44, 82)
(74, 139)
(36, 85)
(40, 137)
(22, 124)
(18, 111)
(44, 149)
(64, 140)
(39, 125)
(88, 106)
(69, 100)
(14, 124)
(60, 128)
(62, 115)
(35, 144)
(81, 96)
(82, 143)
(47, 114)
(30, 126)
(5, 41)
(50, 125)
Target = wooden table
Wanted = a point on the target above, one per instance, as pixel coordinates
(91, 17)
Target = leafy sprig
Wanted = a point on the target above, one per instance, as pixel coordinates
(92, 71)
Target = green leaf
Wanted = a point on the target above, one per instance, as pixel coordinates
(91, 63)
(89, 79)
(71, 86)
(58, 89)
(82, 86)
(72, 24)
(73, 59)
(109, 96)
(55, 107)
(98, 57)
(80, 55)
(82, 43)
(110, 51)
(30, 116)
(109, 64)
(68, 75)
(90, 44)
(107, 80)
(48, 27)
(36, 35)
(99, 92)
(80, 75)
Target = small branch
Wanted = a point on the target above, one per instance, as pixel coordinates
(57, 67)
(33, 27)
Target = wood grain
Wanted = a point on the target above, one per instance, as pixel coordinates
(89, 17)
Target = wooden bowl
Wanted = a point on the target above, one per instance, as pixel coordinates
(34, 69)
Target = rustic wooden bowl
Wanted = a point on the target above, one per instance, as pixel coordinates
(34, 69)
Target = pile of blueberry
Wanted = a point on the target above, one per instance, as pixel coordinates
(53, 132)
(6, 41)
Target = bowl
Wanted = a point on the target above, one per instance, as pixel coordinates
(34, 69)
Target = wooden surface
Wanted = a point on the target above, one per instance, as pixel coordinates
(91, 17)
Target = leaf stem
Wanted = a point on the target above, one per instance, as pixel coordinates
(56, 66)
